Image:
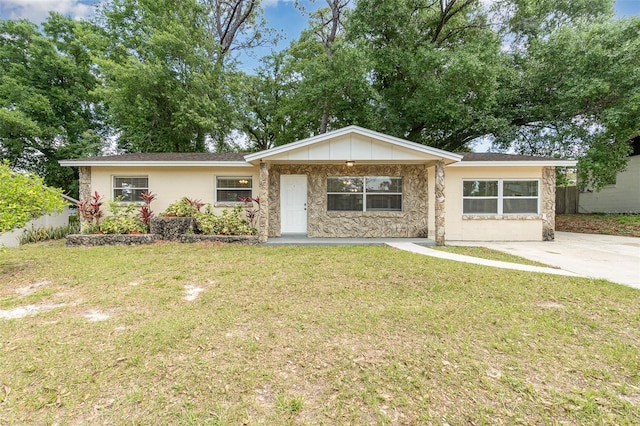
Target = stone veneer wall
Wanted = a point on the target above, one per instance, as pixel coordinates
(411, 222)
(263, 194)
(439, 203)
(91, 240)
(548, 203)
(84, 182)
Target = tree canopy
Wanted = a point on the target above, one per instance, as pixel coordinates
(539, 77)
(47, 109)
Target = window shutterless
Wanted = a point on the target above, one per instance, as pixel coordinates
(230, 189)
(520, 197)
(129, 188)
(364, 193)
(498, 196)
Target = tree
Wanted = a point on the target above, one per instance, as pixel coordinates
(47, 110)
(541, 77)
(333, 73)
(24, 197)
(235, 25)
(581, 86)
(436, 68)
(160, 87)
(318, 83)
(168, 80)
(263, 98)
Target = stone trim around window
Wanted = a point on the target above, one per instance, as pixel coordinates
(378, 214)
(502, 217)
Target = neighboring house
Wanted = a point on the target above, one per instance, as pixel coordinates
(621, 196)
(351, 182)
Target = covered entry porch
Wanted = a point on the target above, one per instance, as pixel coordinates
(352, 183)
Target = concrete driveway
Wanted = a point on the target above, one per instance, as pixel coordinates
(616, 259)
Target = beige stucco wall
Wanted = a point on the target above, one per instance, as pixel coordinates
(171, 184)
(416, 219)
(488, 228)
(411, 222)
(622, 197)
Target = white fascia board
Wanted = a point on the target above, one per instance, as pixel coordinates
(541, 163)
(353, 129)
(156, 163)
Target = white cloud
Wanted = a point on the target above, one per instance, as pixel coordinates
(274, 3)
(38, 10)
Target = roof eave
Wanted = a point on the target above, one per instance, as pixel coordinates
(140, 163)
(515, 163)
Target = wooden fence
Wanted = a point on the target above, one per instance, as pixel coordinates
(567, 199)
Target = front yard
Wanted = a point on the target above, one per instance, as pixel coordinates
(217, 334)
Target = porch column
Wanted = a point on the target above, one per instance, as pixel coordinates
(84, 182)
(263, 218)
(548, 203)
(439, 203)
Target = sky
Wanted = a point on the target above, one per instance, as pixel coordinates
(281, 15)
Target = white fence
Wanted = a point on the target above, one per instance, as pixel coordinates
(11, 238)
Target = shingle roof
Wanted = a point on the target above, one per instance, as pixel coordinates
(494, 156)
(240, 157)
(168, 156)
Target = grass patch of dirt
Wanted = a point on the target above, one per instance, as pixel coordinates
(310, 335)
(627, 225)
(490, 254)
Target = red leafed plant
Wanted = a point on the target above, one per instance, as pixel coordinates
(148, 197)
(145, 210)
(90, 210)
(252, 213)
(197, 204)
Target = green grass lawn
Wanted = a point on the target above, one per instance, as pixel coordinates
(307, 335)
(490, 254)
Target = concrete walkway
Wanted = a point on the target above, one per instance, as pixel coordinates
(414, 248)
(608, 257)
(303, 240)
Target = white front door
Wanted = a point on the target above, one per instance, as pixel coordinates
(293, 204)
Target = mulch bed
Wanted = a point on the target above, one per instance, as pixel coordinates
(623, 225)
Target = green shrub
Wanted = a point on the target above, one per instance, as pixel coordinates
(208, 223)
(24, 196)
(230, 223)
(184, 207)
(121, 224)
(123, 220)
(34, 235)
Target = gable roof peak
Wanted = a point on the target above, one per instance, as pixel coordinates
(372, 135)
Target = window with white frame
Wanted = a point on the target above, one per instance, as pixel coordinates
(500, 196)
(128, 188)
(231, 189)
(364, 193)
